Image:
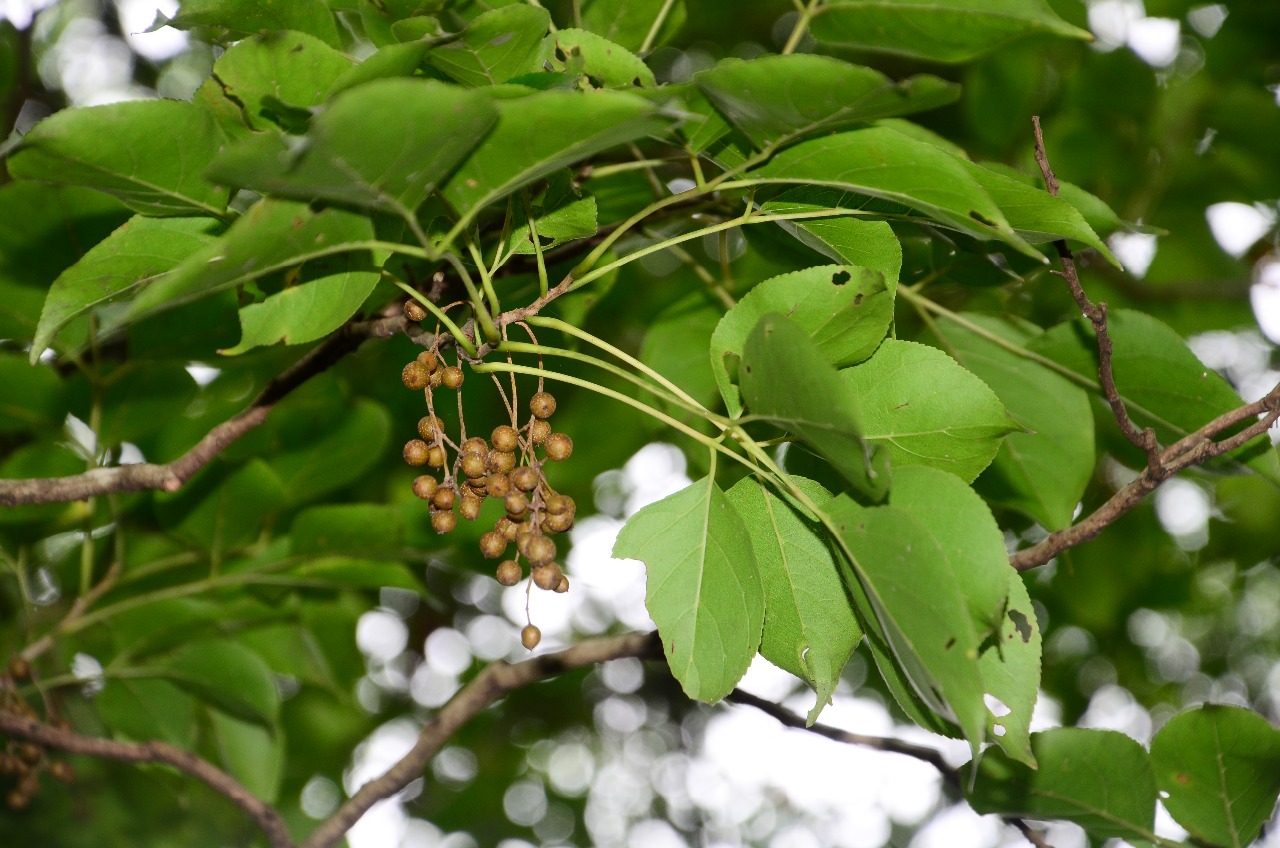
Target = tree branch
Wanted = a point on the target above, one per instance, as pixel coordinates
(170, 476)
(262, 813)
(496, 680)
(1190, 450)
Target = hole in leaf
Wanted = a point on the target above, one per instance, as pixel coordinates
(995, 705)
(839, 278)
(1021, 624)
(998, 730)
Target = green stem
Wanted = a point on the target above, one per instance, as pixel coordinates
(457, 334)
(543, 283)
(802, 25)
(658, 21)
(598, 171)
(699, 271)
(495, 308)
(483, 318)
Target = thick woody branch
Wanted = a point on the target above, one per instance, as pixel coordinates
(170, 476)
(262, 813)
(490, 685)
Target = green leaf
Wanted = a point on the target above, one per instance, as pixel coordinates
(350, 573)
(1099, 779)
(229, 677)
(135, 255)
(610, 64)
(273, 235)
(675, 345)
(847, 240)
(394, 60)
(703, 586)
(1095, 211)
(500, 44)
(927, 410)
(1220, 768)
(561, 212)
(222, 507)
(340, 455)
(966, 532)
(912, 593)
(367, 530)
(884, 163)
(776, 100)
(240, 18)
(940, 30)
(1010, 671)
(1161, 381)
(140, 399)
(99, 147)
(33, 398)
(303, 313)
(843, 309)
(145, 709)
(541, 133)
(434, 126)
(252, 754)
(629, 22)
(1037, 215)
(1042, 472)
(785, 379)
(280, 67)
(808, 631)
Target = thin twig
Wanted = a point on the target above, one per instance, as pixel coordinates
(79, 608)
(263, 814)
(496, 680)
(1097, 315)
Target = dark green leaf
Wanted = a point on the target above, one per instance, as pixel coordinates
(1220, 768)
(98, 147)
(561, 212)
(340, 455)
(251, 753)
(222, 508)
(143, 709)
(1010, 671)
(273, 235)
(347, 573)
(808, 630)
(500, 44)
(927, 410)
(305, 312)
(1096, 213)
(1161, 381)
(940, 30)
(703, 586)
(394, 60)
(775, 100)
(368, 530)
(1044, 471)
(382, 145)
(240, 18)
(541, 133)
(845, 311)
(140, 399)
(785, 379)
(846, 239)
(228, 676)
(32, 397)
(884, 163)
(676, 345)
(610, 64)
(1099, 779)
(136, 254)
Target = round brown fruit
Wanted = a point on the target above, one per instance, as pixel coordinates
(508, 528)
(425, 486)
(509, 572)
(429, 426)
(429, 360)
(500, 462)
(498, 485)
(414, 311)
(542, 405)
(505, 438)
(415, 376)
(416, 452)
(561, 523)
(516, 504)
(436, 456)
(562, 586)
(443, 521)
(525, 478)
(530, 636)
(558, 504)
(539, 432)
(547, 577)
(62, 771)
(451, 377)
(492, 545)
(473, 465)
(475, 444)
(469, 506)
(444, 498)
(559, 447)
(19, 668)
(540, 550)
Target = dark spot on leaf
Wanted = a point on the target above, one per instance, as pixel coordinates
(839, 278)
(1021, 623)
(950, 643)
(297, 49)
(857, 299)
(1182, 778)
(981, 219)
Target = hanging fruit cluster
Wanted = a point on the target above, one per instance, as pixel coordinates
(25, 761)
(508, 466)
